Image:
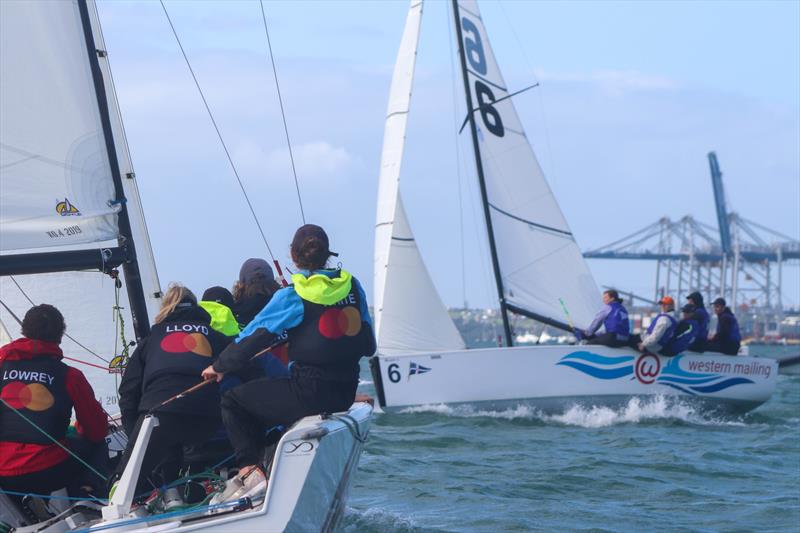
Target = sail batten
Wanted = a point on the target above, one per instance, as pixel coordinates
(67, 218)
(539, 262)
(409, 314)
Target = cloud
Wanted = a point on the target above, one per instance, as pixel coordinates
(315, 160)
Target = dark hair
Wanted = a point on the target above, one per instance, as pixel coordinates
(614, 295)
(44, 323)
(257, 285)
(310, 253)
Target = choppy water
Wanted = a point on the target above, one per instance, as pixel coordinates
(648, 466)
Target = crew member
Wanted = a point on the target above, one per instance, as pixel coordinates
(702, 319)
(614, 318)
(253, 290)
(727, 339)
(685, 332)
(165, 363)
(37, 385)
(218, 302)
(325, 317)
(662, 328)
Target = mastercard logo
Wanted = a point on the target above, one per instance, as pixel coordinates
(34, 396)
(180, 342)
(335, 323)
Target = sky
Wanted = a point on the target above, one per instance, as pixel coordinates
(632, 97)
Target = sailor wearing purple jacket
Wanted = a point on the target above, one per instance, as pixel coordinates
(614, 318)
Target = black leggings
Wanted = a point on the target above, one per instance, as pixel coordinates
(164, 456)
(252, 408)
(607, 339)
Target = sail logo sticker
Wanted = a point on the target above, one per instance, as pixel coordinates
(416, 369)
(66, 209)
(33, 396)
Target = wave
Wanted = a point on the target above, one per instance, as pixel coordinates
(377, 520)
(636, 410)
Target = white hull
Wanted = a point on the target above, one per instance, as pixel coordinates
(311, 477)
(554, 377)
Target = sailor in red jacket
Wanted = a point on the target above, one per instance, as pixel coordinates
(34, 382)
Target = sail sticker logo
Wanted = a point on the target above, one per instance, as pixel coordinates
(66, 209)
(416, 369)
(647, 370)
(33, 396)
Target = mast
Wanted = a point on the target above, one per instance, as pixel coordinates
(130, 266)
(481, 181)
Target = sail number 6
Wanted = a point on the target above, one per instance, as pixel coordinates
(473, 49)
(394, 373)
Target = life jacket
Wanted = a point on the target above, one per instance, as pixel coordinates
(222, 318)
(668, 333)
(333, 335)
(179, 348)
(734, 335)
(685, 335)
(37, 389)
(617, 321)
(702, 318)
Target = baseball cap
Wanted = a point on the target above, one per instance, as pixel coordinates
(221, 295)
(667, 300)
(720, 301)
(311, 230)
(253, 268)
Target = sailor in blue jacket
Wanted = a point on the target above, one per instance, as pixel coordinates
(325, 319)
(702, 319)
(614, 319)
(728, 338)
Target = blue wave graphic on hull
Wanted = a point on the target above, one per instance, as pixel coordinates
(590, 357)
(672, 375)
(602, 373)
(722, 385)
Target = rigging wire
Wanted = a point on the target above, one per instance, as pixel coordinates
(55, 441)
(479, 227)
(67, 335)
(553, 173)
(283, 113)
(216, 128)
(458, 160)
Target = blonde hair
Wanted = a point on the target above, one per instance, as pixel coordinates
(176, 293)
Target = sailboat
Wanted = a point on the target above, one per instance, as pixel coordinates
(538, 269)
(73, 234)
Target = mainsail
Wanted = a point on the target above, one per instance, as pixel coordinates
(63, 215)
(540, 264)
(409, 314)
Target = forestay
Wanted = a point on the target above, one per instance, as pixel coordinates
(409, 314)
(539, 260)
(56, 178)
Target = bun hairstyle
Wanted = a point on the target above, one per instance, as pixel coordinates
(176, 295)
(310, 248)
(614, 295)
(44, 323)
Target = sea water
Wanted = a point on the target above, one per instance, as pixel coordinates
(651, 465)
